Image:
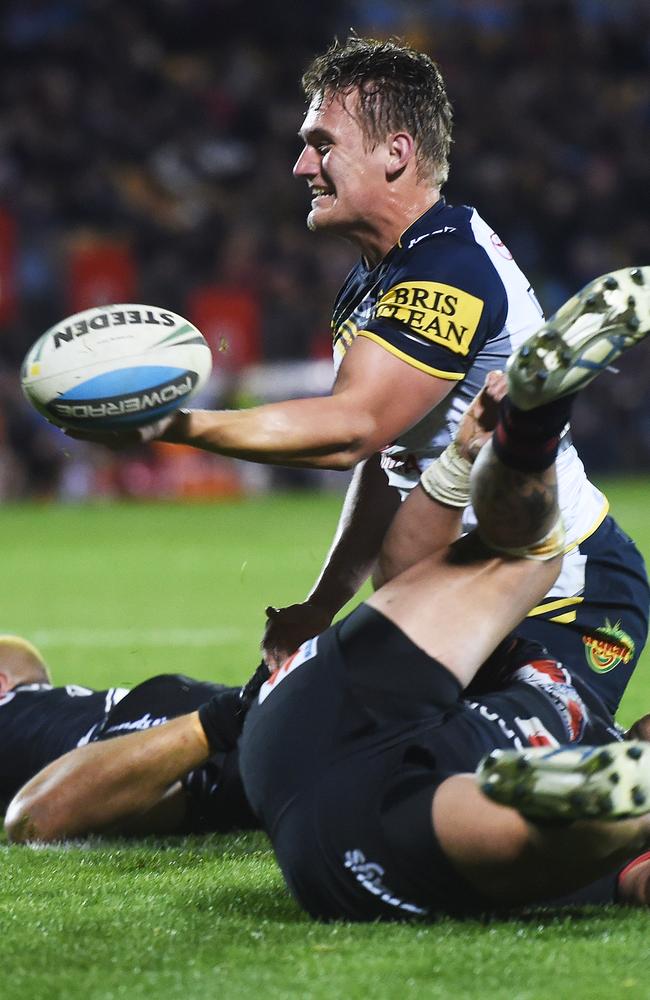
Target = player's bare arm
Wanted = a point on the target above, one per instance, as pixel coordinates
(373, 523)
(117, 786)
(422, 524)
(375, 398)
(368, 509)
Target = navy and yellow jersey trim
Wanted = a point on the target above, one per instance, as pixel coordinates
(562, 610)
(414, 362)
(434, 301)
(595, 526)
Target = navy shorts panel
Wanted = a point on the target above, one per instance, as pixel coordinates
(336, 857)
(388, 673)
(603, 641)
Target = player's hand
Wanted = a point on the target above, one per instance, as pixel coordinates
(287, 628)
(127, 437)
(480, 417)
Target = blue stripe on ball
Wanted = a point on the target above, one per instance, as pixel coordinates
(124, 380)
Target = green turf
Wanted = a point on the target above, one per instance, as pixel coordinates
(114, 593)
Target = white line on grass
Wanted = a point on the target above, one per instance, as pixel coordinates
(125, 637)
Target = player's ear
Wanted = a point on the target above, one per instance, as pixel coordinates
(6, 683)
(401, 150)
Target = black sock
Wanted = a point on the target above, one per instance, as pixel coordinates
(528, 440)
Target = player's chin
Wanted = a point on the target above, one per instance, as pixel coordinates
(326, 218)
(315, 220)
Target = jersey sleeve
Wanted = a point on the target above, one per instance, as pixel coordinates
(438, 307)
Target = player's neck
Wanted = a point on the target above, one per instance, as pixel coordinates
(396, 215)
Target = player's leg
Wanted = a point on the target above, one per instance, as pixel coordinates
(511, 860)
(459, 603)
(633, 882)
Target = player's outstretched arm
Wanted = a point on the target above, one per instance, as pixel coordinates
(120, 786)
(376, 398)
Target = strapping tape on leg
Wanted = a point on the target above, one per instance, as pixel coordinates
(548, 547)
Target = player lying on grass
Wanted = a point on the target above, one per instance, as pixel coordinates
(353, 752)
(39, 723)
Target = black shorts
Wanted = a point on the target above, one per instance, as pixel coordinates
(216, 801)
(154, 701)
(345, 747)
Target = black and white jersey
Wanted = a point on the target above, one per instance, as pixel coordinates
(39, 722)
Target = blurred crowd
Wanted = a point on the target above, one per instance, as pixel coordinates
(146, 151)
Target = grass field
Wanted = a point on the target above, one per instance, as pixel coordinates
(115, 593)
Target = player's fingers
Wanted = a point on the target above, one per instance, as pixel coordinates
(115, 442)
(274, 657)
(496, 385)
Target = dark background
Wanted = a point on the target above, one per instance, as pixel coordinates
(146, 152)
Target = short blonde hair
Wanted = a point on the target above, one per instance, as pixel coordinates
(19, 655)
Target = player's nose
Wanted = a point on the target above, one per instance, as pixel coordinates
(307, 164)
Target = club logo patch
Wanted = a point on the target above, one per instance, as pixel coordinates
(608, 646)
(441, 313)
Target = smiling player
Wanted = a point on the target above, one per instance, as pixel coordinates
(434, 303)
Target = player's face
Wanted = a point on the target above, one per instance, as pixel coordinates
(347, 180)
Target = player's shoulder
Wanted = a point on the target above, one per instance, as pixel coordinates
(439, 270)
(449, 244)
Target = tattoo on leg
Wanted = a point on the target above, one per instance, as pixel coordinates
(515, 508)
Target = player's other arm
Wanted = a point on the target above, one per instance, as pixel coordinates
(115, 785)
(395, 395)
(376, 398)
(369, 506)
(423, 525)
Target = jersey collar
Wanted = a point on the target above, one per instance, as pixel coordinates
(420, 227)
(422, 224)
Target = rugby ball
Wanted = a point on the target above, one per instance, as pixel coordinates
(115, 366)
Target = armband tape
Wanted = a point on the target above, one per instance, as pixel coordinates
(447, 478)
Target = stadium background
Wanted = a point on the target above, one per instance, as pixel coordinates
(146, 152)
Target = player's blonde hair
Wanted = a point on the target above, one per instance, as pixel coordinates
(20, 657)
(398, 88)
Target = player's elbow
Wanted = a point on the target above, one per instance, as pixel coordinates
(36, 816)
(344, 460)
(361, 440)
